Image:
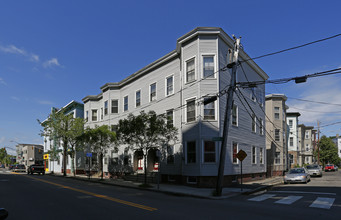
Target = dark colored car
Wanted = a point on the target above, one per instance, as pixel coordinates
(36, 168)
(329, 167)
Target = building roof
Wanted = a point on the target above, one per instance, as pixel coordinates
(276, 96)
(293, 114)
(176, 54)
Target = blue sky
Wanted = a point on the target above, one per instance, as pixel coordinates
(52, 52)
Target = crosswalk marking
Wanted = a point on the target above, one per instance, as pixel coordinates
(289, 200)
(262, 197)
(323, 203)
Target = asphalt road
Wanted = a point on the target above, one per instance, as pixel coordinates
(48, 197)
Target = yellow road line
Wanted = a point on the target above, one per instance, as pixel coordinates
(97, 195)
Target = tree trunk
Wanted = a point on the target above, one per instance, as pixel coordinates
(64, 157)
(101, 164)
(145, 167)
(73, 164)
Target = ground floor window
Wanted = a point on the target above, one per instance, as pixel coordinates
(277, 158)
(209, 152)
(191, 152)
(192, 179)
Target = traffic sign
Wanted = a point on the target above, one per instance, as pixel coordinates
(89, 154)
(241, 155)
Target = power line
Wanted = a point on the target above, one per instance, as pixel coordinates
(293, 48)
(318, 102)
(315, 111)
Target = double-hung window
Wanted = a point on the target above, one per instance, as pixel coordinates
(190, 110)
(208, 66)
(94, 115)
(276, 112)
(253, 155)
(169, 86)
(209, 110)
(261, 156)
(190, 70)
(138, 98)
(86, 116)
(277, 157)
(253, 125)
(235, 115)
(234, 152)
(290, 123)
(170, 117)
(114, 106)
(191, 152)
(152, 92)
(261, 126)
(125, 103)
(170, 154)
(105, 107)
(277, 135)
(209, 152)
(291, 142)
(101, 113)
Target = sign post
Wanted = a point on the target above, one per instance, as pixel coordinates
(241, 156)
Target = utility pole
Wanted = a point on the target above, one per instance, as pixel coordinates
(318, 142)
(229, 103)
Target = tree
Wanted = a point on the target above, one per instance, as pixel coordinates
(328, 151)
(146, 131)
(62, 127)
(99, 139)
(75, 131)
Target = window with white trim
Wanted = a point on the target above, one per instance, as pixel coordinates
(307, 135)
(253, 155)
(208, 66)
(170, 117)
(190, 110)
(235, 115)
(261, 156)
(209, 152)
(86, 116)
(125, 103)
(170, 154)
(277, 157)
(114, 157)
(291, 142)
(114, 106)
(253, 125)
(138, 98)
(209, 110)
(190, 70)
(276, 112)
(277, 134)
(94, 115)
(106, 107)
(152, 89)
(191, 152)
(261, 126)
(169, 86)
(234, 153)
(290, 123)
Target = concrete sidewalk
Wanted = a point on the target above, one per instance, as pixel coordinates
(181, 190)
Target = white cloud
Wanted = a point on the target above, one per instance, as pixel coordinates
(34, 58)
(50, 63)
(322, 89)
(3, 82)
(12, 49)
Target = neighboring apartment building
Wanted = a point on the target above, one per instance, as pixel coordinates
(29, 154)
(54, 163)
(276, 141)
(293, 142)
(177, 84)
(306, 144)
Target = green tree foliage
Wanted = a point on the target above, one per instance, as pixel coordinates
(62, 127)
(146, 131)
(4, 157)
(328, 151)
(99, 139)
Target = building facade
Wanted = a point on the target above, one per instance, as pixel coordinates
(29, 154)
(176, 85)
(293, 141)
(53, 148)
(276, 141)
(306, 144)
(337, 141)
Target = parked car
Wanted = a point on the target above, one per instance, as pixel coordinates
(36, 168)
(297, 175)
(314, 170)
(19, 168)
(329, 167)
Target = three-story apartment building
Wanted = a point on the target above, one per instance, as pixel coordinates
(306, 144)
(276, 142)
(293, 141)
(176, 85)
